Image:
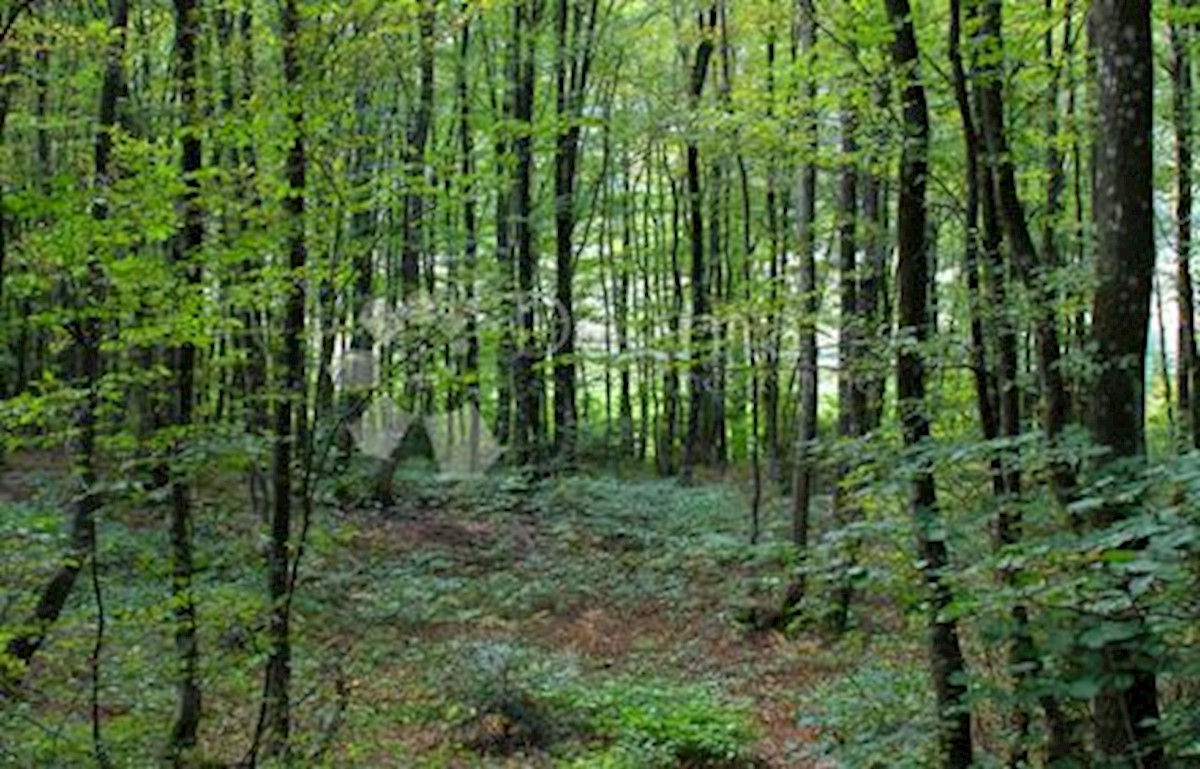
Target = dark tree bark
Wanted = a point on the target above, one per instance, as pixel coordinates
(188, 242)
(850, 400)
(1125, 711)
(671, 381)
(946, 658)
(417, 355)
(469, 372)
(803, 474)
(528, 384)
(504, 103)
(701, 412)
(575, 34)
(415, 347)
(985, 384)
(772, 345)
(252, 372)
(999, 398)
(291, 428)
(874, 308)
(622, 287)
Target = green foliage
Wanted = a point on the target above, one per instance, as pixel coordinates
(876, 717)
(508, 697)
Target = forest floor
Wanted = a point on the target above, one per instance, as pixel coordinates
(578, 622)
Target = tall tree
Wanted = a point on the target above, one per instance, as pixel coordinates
(702, 415)
(417, 355)
(850, 390)
(291, 421)
(528, 383)
(947, 664)
(803, 474)
(575, 25)
(183, 366)
(1126, 709)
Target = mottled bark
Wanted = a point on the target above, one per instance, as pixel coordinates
(1125, 711)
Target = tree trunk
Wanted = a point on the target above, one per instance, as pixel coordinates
(527, 378)
(470, 366)
(806, 201)
(1125, 711)
(946, 659)
(183, 364)
(849, 389)
(701, 413)
(416, 353)
(291, 430)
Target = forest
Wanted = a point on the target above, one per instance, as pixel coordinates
(629, 384)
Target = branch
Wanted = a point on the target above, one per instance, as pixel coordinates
(13, 16)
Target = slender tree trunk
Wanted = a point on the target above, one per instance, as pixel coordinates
(183, 364)
(417, 356)
(291, 429)
(575, 25)
(470, 369)
(772, 345)
(701, 373)
(873, 309)
(849, 389)
(806, 200)
(946, 657)
(527, 377)
(671, 380)
(622, 288)
(565, 436)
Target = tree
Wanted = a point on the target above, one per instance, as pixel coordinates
(183, 366)
(1126, 709)
(702, 416)
(806, 201)
(291, 458)
(575, 25)
(946, 661)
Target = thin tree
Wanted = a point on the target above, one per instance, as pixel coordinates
(188, 242)
(575, 25)
(701, 412)
(803, 474)
(947, 665)
(291, 429)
